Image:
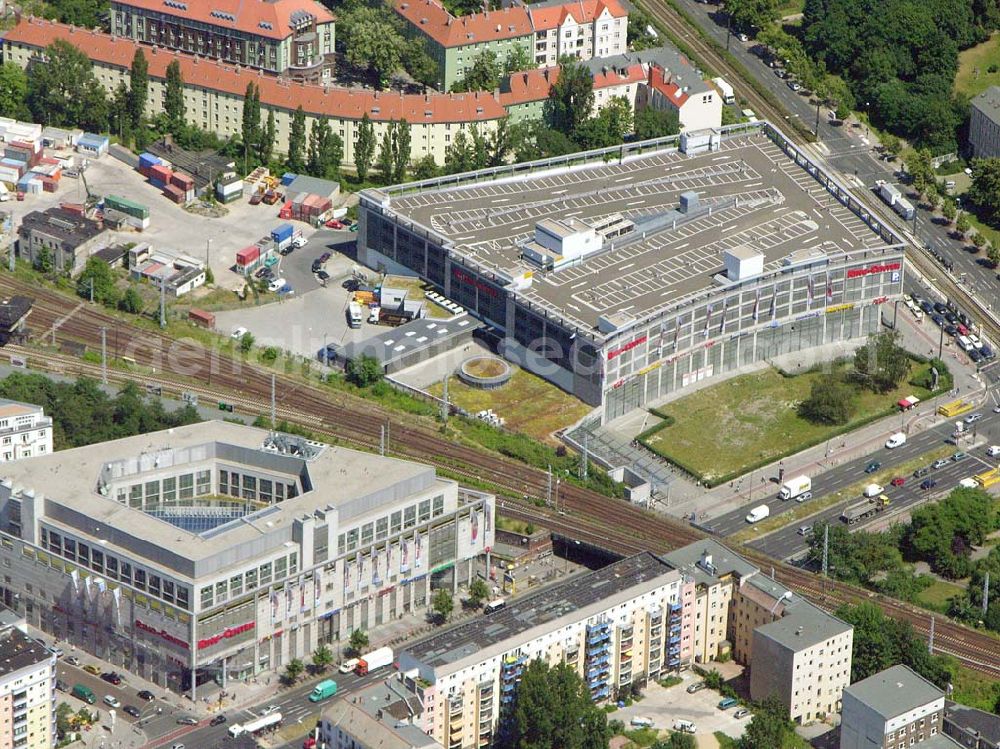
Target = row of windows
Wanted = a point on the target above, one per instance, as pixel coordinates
(249, 581)
(393, 524)
(255, 487)
(116, 569)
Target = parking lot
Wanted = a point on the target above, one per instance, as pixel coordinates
(665, 706)
(170, 227)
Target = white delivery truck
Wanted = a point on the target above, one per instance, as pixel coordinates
(354, 315)
(373, 660)
(795, 488)
(758, 513)
(728, 95)
(873, 490)
(256, 726)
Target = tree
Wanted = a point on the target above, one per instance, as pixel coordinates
(358, 641)
(443, 604)
(322, 658)
(531, 139)
(138, 87)
(978, 240)
(458, 154)
(371, 39)
(830, 401)
(418, 63)
(400, 151)
(251, 122)
(985, 189)
(120, 117)
(364, 147)
(425, 168)
(518, 59)
(609, 127)
(268, 136)
(881, 364)
(296, 160)
(97, 275)
(323, 151)
(949, 211)
(890, 144)
(483, 75)
(500, 142)
(479, 147)
(656, 123)
(63, 92)
(993, 254)
(479, 591)
(571, 99)
(363, 371)
(131, 302)
(13, 91)
(173, 97)
(962, 224)
(64, 714)
(769, 728)
(246, 342)
(553, 710)
(43, 260)
(639, 37)
(384, 162)
(752, 14)
(943, 534)
(294, 670)
(922, 170)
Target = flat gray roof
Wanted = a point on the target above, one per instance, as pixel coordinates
(337, 477)
(894, 691)
(759, 199)
(724, 560)
(407, 339)
(504, 628)
(802, 626)
(988, 102)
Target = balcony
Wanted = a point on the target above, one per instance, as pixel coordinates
(454, 708)
(594, 638)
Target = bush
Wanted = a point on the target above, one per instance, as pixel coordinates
(831, 401)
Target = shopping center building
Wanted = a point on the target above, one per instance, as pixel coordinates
(222, 550)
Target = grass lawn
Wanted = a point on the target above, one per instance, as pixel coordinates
(978, 58)
(530, 405)
(790, 8)
(751, 420)
(937, 595)
(975, 689)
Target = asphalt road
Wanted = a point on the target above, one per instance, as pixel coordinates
(853, 472)
(293, 703)
(847, 149)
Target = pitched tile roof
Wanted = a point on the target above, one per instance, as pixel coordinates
(534, 85)
(553, 14)
(662, 81)
(274, 19)
(434, 20)
(339, 103)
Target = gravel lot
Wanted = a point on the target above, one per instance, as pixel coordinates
(665, 706)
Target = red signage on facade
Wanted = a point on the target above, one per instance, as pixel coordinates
(467, 278)
(627, 347)
(227, 633)
(884, 268)
(139, 624)
(880, 300)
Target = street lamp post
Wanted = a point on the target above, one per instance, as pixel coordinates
(783, 597)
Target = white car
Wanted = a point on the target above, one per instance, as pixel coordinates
(112, 701)
(299, 241)
(973, 418)
(974, 340)
(993, 451)
(239, 333)
(276, 284)
(968, 483)
(268, 710)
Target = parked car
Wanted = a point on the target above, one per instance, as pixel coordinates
(276, 284)
(111, 701)
(727, 703)
(62, 686)
(921, 472)
(256, 198)
(794, 86)
(92, 669)
(57, 652)
(268, 710)
(325, 256)
(958, 456)
(334, 224)
(260, 272)
(316, 266)
(696, 687)
(146, 695)
(112, 678)
(218, 720)
(238, 333)
(72, 660)
(322, 275)
(938, 320)
(928, 484)
(873, 466)
(805, 530)
(187, 720)
(131, 710)
(351, 284)
(741, 713)
(939, 463)
(975, 356)
(897, 481)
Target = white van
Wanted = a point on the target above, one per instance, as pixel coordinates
(873, 490)
(641, 721)
(685, 726)
(347, 667)
(965, 343)
(992, 451)
(895, 440)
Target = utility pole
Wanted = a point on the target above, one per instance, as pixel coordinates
(381, 440)
(104, 356)
(548, 488)
(826, 549)
(91, 289)
(274, 409)
(444, 400)
(986, 593)
(208, 252)
(163, 301)
(930, 640)
(585, 459)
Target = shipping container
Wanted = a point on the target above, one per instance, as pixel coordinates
(128, 207)
(160, 173)
(287, 178)
(183, 181)
(247, 257)
(282, 233)
(49, 184)
(201, 317)
(174, 193)
(146, 160)
(77, 208)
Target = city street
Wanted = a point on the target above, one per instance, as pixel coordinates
(848, 149)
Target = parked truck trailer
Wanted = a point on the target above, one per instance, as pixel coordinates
(866, 508)
(376, 659)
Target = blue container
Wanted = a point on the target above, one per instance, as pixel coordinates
(147, 160)
(287, 178)
(158, 183)
(282, 233)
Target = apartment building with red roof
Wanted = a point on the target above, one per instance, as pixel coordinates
(293, 38)
(580, 28)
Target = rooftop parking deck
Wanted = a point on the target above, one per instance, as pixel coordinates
(751, 196)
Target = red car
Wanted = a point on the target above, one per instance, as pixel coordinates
(309, 743)
(334, 224)
(898, 481)
(256, 198)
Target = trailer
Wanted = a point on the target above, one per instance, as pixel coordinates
(904, 208)
(794, 488)
(864, 509)
(255, 727)
(728, 95)
(888, 192)
(988, 479)
(374, 660)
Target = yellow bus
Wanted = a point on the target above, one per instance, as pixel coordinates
(955, 408)
(989, 478)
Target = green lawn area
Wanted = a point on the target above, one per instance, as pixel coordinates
(975, 689)
(530, 405)
(937, 595)
(730, 428)
(790, 8)
(978, 58)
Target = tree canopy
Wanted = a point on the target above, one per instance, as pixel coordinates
(572, 97)
(985, 189)
(62, 89)
(372, 39)
(881, 364)
(831, 401)
(553, 710)
(944, 533)
(13, 91)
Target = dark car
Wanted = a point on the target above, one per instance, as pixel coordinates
(938, 320)
(218, 720)
(951, 317)
(987, 353)
(260, 272)
(940, 307)
(256, 198)
(927, 307)
(928, 484)
(131, 710)
(112, 678)
(921, 472)
(975, 356)
(287, 250)
(62, 686)
(322, 275)
(325, 256)
(316, 266)
(873, 466)
(950, 330)
(351, 284)
(146, 695)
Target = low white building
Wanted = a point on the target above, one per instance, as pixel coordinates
(25, 431)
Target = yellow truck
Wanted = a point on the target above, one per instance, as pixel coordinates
(955, 408)
(988, 479)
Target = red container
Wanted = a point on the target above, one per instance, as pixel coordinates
(247, 255)
(161, 173)
(175, 193)
(183, 181)
(77, 208)
(49, 184)
(201, 317)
